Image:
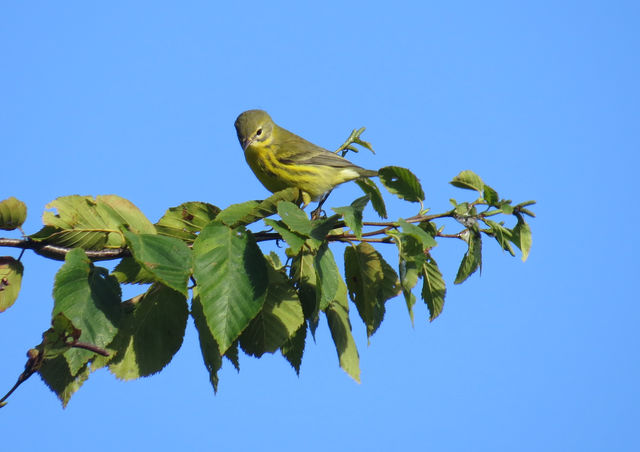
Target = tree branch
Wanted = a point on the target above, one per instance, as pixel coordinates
(59, 252)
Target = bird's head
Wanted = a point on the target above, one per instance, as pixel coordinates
(254, 126)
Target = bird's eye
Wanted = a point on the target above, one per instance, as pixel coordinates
(259, 132)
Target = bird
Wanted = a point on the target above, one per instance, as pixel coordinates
(281, 159)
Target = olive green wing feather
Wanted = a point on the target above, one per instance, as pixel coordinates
(295, 150)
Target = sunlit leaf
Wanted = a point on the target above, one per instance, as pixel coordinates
(10, 281)
(293, 239)
(433, 288)
(186, 220)
(252, 211)
(522, 237)
(235, 214)
(93, 224)
(469, 180)
(168, 259)
(338, 319)
(294, 218)
(13, 212)
(231, 274)
(490, 196)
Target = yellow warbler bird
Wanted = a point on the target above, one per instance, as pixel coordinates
(281, 159)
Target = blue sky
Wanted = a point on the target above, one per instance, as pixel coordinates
(541, 99)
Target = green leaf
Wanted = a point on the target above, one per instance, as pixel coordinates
(294, 218)
(293, 239)
(338, 319)
(402, 183)
(233, 355)
(56, 375)
(58, 339)
(409, 271)
(186, 220)
(13, 212)
(419, 233)
(269, 206)
(251, 211)
(92, 224)
(522, 237)
(280, 317)
(490, 196)
(208, 345)
(433, 288)
(303, 275)
(274, 260)
(468, 180)
(90, 299)
(231, 274)
(506, 207)
(413, 242)
(168, 259)
(370, 188)
(152, 333)
(10, 281)
(119, 211)
(128, 271)
(293, 348)
(320, 228)
(353, 214)
(472, 259)
(371, 282)
(463, 211)
(501, 234)
(429, 227)
(327, 276)
(235, 214)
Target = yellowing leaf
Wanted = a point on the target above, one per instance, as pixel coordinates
(13, 212)
(10, 280)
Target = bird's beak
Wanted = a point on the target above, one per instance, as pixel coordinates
(246, 143)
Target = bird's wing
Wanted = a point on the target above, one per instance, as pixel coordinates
(311, 155)
(322, 157)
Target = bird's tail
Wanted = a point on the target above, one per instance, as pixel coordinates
(367, 173)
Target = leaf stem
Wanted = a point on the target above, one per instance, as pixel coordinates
(90, 347)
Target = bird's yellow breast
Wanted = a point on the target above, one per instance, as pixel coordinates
(278, 174)
(266, 167)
